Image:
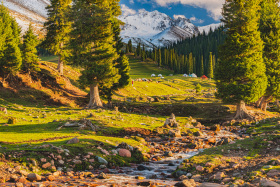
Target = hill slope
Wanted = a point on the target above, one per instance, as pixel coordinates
(28, 11)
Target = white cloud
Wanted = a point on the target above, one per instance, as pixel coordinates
(196, 20)
(127, 11)
(213, 7)
(131, 1)
(178, 16)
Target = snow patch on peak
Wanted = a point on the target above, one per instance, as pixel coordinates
(156, 27)
(207, 28)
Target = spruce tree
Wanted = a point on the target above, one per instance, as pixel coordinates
(10, 54)
(155, 55)
(202, 67)
(138, 50)
(159, 57)
(126, 49)
(122, 63)
(93, 45)
(210, 66)
(29, 51)
(130, 46)
(240, 77)
(270, 34)
(190, 63)
(143, 53)
(58, 28)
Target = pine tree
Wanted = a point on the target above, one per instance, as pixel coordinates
(138, 50)
(159, 57)
(58, 28)
(240, 77)
(190, 63)
(122, 64)
(130, 46)
(93, 45)
(143, 53)
(155, 55)
(214, 62)
(270, 34)
(210, 66)
(126, 49)
(10, 54)
(202, 67)
(29, 51)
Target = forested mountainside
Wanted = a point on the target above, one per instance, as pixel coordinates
(191, 55)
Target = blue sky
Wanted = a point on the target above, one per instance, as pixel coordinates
(201, 12)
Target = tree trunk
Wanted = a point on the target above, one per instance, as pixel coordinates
(258, 103)
(264, 102)
(110, 104)
(242, 112)
(60, 65)
(94, 101)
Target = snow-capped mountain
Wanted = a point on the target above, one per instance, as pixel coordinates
(207, 28)
(28, 11)
(155, 28)
(149, 28)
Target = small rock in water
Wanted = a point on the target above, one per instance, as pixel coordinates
(208, 184)
(102, 167)
(186, 183)
(149, 183)
(142, 168)
(171, 164)
(168, 154)
(153, 176)
(33, 177)
(102, 176)
(139, 177)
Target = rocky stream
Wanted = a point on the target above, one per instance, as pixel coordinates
(165, 156)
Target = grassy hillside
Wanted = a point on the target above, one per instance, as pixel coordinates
(37, 106)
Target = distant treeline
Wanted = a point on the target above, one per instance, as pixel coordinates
(198, 54)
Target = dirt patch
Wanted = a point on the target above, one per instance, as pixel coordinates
(136, 130)
(46, 86)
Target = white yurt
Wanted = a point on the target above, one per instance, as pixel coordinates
(159, 75)
(193, 75)
(153, 75)
(185, 75)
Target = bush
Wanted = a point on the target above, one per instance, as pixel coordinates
(198, 88)
(12, 120)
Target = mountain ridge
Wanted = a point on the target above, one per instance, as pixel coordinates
(153, 29)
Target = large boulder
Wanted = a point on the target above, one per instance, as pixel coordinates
(174, 133)
(186, 183)
(102, 160)
(34, 177)
(170, 122)
(125, 153)
(73, 141)
(4, 110)
(219, 176)
(268, 183)
(273, 173)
